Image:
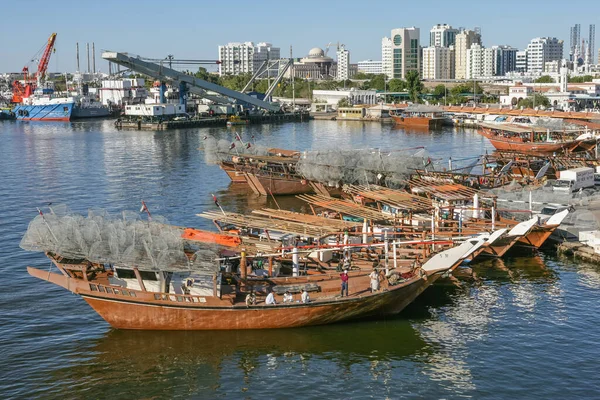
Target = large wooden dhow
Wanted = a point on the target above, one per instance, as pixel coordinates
(150, 275)
(537, 140)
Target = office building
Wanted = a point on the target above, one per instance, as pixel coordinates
(386, 57)
(464, 40)
(406, 54)
(480, 62)
(541, 50)
(442, 35)
(521, 61)
(438, 63)
(343, 64)
(505, 59)
(241, 58)
(370, 67)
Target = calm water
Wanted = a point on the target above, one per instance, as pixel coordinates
(527, 328)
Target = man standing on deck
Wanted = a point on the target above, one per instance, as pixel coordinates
(270, 299)
(344, 278)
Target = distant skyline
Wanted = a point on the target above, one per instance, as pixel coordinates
(193, 30)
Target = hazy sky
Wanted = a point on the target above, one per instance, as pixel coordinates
(194, 29)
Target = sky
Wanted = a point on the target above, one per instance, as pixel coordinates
(194, 29)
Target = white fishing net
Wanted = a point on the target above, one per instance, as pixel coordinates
(585, 204)
(217, 150)
(123, 239)
(335, 167)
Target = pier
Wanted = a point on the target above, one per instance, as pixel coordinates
(146, 124)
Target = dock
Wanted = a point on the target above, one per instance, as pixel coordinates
(141, 124)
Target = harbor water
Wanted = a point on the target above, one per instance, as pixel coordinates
(527, 327)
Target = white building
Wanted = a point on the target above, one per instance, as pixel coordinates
(406, 54)
(387, 60)
(521, 61)
(438, 63)
(263, 52)
(123, 91)
(505, 59)
(241, 58)
(480, 62)
(464, 41)
(542, 50)
(343, 64)
(516, 93)
(442, 35)
(354, 96)
(370, 67)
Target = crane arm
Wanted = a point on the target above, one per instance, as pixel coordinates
(45, 60)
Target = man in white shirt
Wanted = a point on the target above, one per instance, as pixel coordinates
(270, 299)
(287, 297)
(305, 296)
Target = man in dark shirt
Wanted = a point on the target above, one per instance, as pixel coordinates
(344, 278)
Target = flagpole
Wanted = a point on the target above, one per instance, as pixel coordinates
(46, 223)
(217, 204)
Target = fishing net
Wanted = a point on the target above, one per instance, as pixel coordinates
(334, 167)
(584, 204)
(217, 150)
(126, 240)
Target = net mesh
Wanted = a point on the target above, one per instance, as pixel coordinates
(584, 204)
(122, 240)
(361, 166)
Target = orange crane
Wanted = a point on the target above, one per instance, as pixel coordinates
(25, 89)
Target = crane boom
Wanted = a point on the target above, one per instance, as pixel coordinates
(45, 60)
(160, 72)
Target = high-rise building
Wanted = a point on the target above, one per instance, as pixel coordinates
(505, 59)
(442, 35)
(438, 63)
(464, 40)
(370, 67)
(406, 54)
(591, 42)
(598, 56)
(343, 64)
(521, 61)
(541, 50)
(480, 62)
(386, 57)
(241, 58)
(265, 51)
(574, 50)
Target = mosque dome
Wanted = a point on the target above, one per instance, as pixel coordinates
(316, 52)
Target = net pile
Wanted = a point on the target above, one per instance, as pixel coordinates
(120, 240)
(333, 167)
(585, 204)
(217, 150)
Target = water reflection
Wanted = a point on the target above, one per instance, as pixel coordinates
(202, 363)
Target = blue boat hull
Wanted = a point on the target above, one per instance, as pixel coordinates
(49, 112)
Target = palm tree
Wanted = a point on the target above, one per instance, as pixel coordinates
(414, 84)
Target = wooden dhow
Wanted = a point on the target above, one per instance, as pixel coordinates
(131, 290)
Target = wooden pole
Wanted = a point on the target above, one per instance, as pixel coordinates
(270, 266)
(243, 271)
(136, 271)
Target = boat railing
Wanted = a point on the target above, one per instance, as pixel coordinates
(174, 297)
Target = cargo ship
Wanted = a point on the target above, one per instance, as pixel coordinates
(35, 99)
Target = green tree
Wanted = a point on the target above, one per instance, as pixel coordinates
(377, 82)
(537, 100)
(439, 90)
(396, 85)
(544, 79)
(344, 102)
(580, 79)
(414, 85)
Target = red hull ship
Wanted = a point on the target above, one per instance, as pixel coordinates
(145, 290)
(534, 140)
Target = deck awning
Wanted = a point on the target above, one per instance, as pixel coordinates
(446, 191)
(398, 199)
(346, 207)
